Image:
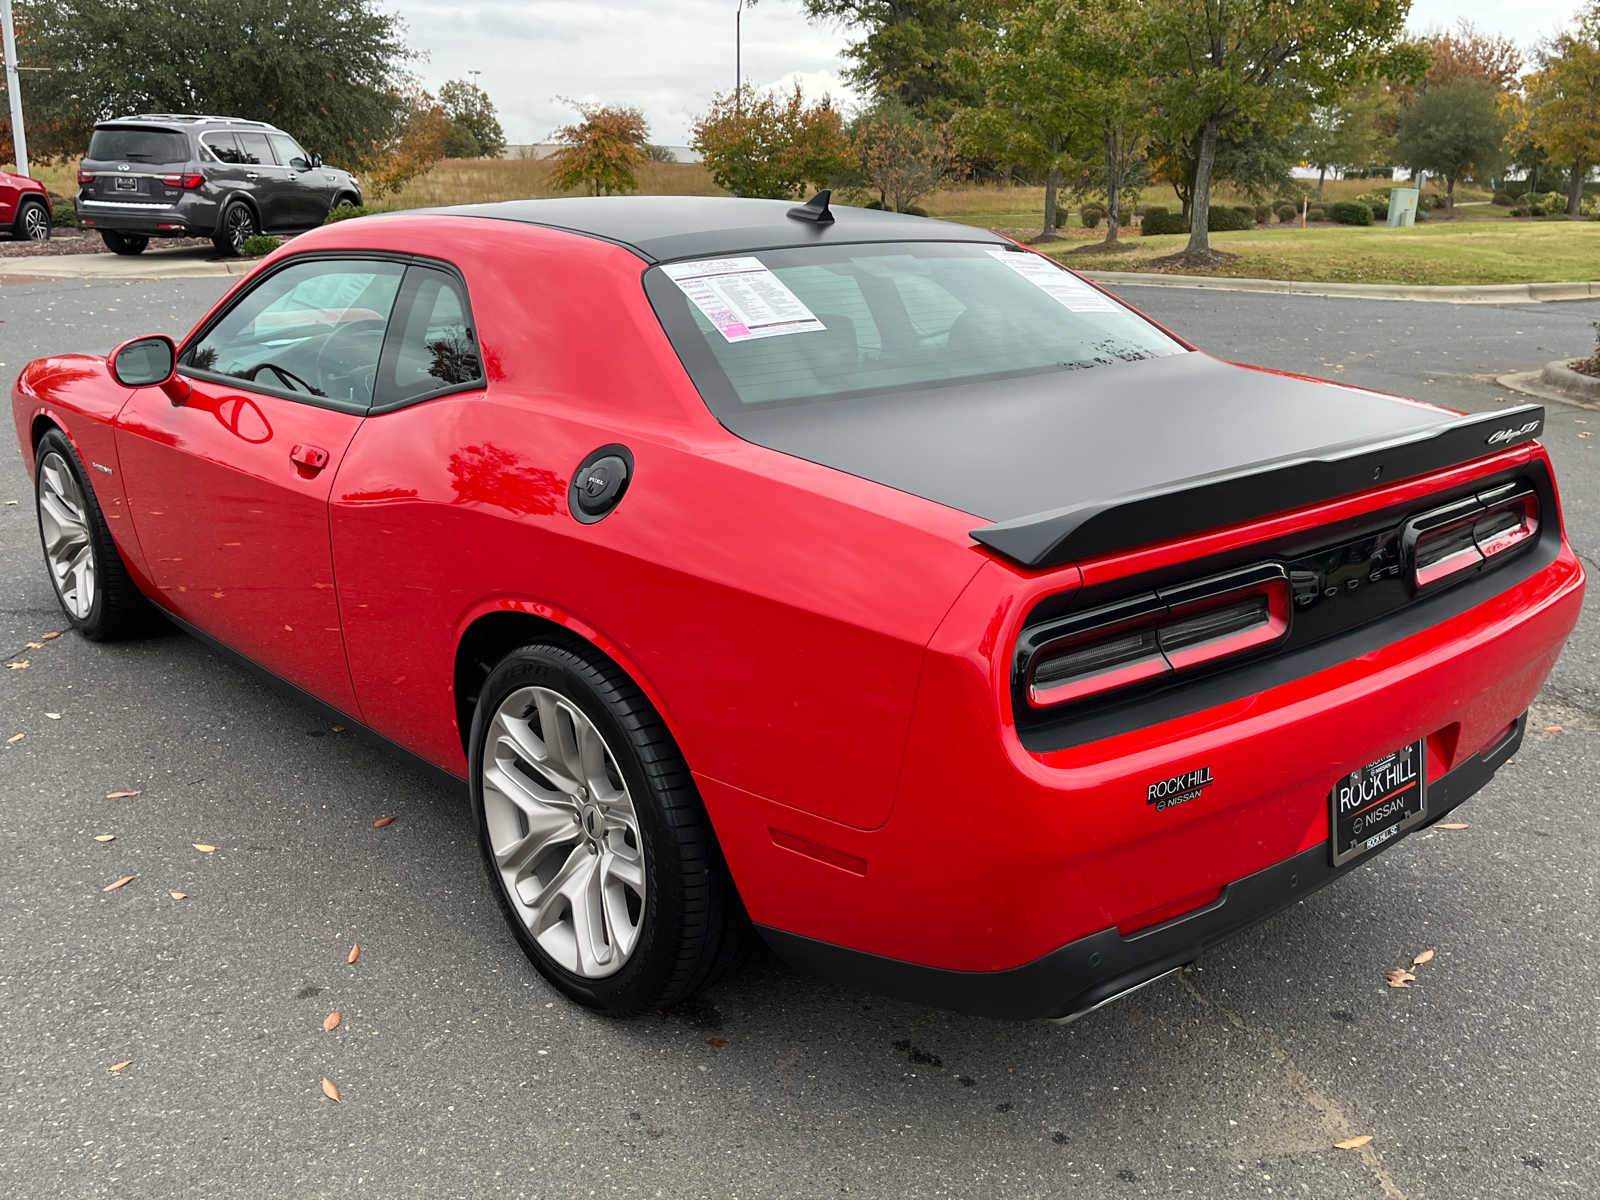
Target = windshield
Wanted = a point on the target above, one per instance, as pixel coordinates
(799, 326)
(138, 145)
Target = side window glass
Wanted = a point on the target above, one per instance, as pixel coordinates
(313, 329)
(289, 152)
(254, 149)
(224, 147)
(434, 347)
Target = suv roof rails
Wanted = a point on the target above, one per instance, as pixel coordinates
(187, 119)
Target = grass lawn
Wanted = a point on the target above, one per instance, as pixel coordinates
(1454, 253)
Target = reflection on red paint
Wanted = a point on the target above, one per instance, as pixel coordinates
(488, 474)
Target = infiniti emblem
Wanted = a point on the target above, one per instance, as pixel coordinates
(594, 822)
(124, 167)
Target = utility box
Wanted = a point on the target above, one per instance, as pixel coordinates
(1403, 206)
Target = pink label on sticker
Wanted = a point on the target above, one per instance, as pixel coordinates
(733, 331)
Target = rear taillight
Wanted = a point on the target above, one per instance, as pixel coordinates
(1160, 633)
(187, 182)
(85, 176)
(1450, 543)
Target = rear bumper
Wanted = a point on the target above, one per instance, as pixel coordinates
(191, 216)
(1092, 970)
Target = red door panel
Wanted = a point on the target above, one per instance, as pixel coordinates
(232, 514)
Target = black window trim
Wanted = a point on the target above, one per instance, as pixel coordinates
(406, 299)
(199, 333)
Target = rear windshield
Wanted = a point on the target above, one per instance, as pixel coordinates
(138, 145)
(799, 326)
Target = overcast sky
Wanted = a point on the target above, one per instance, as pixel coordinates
(668, 58)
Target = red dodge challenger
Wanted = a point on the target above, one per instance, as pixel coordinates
(856, 580)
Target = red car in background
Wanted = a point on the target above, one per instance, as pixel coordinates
(26, 207)
(866, 581)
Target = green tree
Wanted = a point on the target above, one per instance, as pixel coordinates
(1032, 80)
(906, 48)
(1352, 134)
(601, 152)
(460, 143)
(469, 106)
(1563, 100)
(1453, 130)
(330, 72)
(767, 144)
(1265, 61)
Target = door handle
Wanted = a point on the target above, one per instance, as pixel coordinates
(250, 175)
(292, 175)
(313, 458)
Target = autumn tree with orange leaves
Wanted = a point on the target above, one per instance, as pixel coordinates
(601, 152)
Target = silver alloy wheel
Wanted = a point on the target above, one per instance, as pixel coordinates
(35, 223)
(241, 226)
(68, 546)
(564, 832)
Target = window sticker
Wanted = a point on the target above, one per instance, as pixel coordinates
(1059, 285)
(742, 298)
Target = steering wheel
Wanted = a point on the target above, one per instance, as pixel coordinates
(289, 379)
(351, 338)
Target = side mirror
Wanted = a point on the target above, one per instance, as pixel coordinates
(316, 161)
(149, 362)
(144, 362)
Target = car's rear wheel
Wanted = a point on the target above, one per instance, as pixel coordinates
(238, 224)
(91, 581)
(124, 243)
(32, 223)
(594, 837)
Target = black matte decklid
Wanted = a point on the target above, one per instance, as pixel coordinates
(1080, 463)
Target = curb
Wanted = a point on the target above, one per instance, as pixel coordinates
(153, 264)
(1563, 378)
(1532, 383)
(1491, 293)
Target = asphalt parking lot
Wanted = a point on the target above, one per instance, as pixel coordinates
(462, 1074)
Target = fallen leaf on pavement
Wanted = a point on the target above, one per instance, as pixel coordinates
(123, 882)
(119, 795)
(105, 837)
(1397, 979)
(338, 728)
(1552, 729)
(18, 666)
(203, 848)
(9, 503)
(331, 1091)
(177, 895)
(16, 737)
(120, 1065)
(382, 821)
(716, 1041)
(1354, 1143)
(35, 646)
(54, 716)
(48, 636)
(355, 952)
(331, 1022)
(1457, 825)
(1425, 956)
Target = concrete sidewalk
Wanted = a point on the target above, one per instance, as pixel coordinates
(1494, 293)
(188, 262)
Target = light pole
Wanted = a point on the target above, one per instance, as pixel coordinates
(8, 41)
(738, 50)
(474, 75)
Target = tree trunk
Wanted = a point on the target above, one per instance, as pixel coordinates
(1113, 184)
(1052, 181)
(1322, 174)
(1200, 208)
(1450, 195)
(1575, 189)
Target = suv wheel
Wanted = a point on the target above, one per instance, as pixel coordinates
(124, 243)
(33, 222)
(238, 223)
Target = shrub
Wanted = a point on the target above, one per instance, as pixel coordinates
(1092, 215)
(1375, 197)
(344, 212)
(1159, 220)
(1503, 199)
(1317, 213)
(1287, 212)
(255, 247)
(63, 213)
(1349, 213)
(1263, 214)
(1228, 220)
(916, 210)
(1429, 202)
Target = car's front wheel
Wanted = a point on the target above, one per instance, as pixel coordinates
(238, 225)
(89, 576)
(594, 836)
(124, 243)
(32, 223)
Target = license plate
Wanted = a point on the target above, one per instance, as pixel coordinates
(1379, 802)
(127, 185)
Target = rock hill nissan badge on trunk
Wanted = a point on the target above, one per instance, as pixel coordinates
(866, 583)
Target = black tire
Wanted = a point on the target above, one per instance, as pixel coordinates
(238, 224)
(694, 929)
(344, 200)
(118, 610)
(32, 223)
(124, 243)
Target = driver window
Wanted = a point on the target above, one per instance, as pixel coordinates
(289, 152)
(310, 330)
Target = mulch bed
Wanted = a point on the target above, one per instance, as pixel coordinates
(78, 241)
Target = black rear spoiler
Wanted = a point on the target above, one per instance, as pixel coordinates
(1211, 501)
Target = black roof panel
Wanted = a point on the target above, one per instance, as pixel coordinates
(659, 228)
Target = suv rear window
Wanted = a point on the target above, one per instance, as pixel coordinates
(872, 319)
(138, 145)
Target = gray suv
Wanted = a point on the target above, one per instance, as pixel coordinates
(166, 175)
